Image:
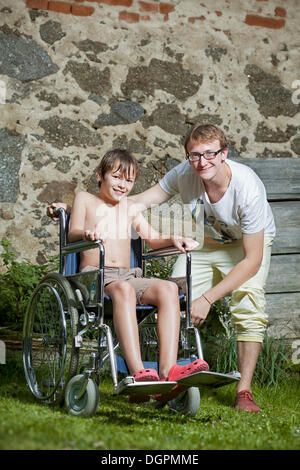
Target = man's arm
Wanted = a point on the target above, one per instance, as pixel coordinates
(157, 241)
(253, 252)
(152, 196)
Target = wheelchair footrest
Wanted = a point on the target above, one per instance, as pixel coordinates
(128, 386)
(210, 379)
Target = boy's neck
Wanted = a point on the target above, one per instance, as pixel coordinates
(108, 200)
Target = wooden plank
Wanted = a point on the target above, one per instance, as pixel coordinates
(281, 176)
(284, 315)
(287, 221)
(284, 275)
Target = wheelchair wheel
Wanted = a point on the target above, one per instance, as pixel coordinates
(50, 358)
(86, 405)
(187, 403)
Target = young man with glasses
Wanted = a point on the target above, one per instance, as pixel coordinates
(238, 232)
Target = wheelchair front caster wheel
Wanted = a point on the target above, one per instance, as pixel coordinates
(187, 403)
(88, 403)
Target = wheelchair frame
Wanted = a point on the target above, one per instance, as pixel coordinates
(61, 337)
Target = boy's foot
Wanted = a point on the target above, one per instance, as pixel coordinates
(244, 401)
(146, 375)
(179, 372)
(143, 375)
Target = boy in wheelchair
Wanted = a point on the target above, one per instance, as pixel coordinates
(109, 216)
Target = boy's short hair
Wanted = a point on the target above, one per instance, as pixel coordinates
(124, 160)
(205, 133)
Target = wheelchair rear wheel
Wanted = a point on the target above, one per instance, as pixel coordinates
(187, 403)
(88, 403)
(49, 355)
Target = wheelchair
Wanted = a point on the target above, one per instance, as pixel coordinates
(68, 338)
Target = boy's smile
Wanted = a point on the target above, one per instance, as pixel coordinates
(116, 185)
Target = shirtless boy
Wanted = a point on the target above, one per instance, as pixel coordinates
(109, 216)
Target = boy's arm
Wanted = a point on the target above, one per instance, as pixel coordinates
(157, 241)
(77, 223)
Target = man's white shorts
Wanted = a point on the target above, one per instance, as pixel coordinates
(247, 306)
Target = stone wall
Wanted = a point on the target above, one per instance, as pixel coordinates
(78, 78)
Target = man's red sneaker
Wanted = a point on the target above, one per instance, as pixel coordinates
(244, 401)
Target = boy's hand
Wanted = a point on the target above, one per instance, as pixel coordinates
(55, 205)
(184, 244)
(92, 236)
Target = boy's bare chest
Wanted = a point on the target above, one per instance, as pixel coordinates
(114, 219)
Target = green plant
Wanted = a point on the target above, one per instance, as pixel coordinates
(221, 349)
(17, 283)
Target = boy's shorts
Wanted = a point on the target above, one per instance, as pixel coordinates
(133, 276)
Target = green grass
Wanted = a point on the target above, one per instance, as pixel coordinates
(26, 424)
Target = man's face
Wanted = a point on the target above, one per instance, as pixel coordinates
(116, 184)
(207, 169)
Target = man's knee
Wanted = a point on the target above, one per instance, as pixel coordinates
(247, 308)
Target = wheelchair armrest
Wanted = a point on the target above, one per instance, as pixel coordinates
(79, 246)
(167, 251)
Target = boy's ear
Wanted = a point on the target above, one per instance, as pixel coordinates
(99, 176)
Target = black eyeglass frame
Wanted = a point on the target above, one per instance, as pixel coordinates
(199, 155)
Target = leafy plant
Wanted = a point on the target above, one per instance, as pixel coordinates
(17, 283)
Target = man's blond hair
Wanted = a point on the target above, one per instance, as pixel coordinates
(205, 133)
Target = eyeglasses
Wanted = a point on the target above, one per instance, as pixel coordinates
(208, 155)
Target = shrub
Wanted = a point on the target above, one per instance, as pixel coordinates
(17, 283)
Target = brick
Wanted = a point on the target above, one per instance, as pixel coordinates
(79, 10)
(280, 12)
(37, 4)
(265, 22)
(120, 3)
(166, 8)
(59, 7)
(129, 17)
(149, 7)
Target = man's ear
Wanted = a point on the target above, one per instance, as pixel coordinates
(99, 176)
(225, 153)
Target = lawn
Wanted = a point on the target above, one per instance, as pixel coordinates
(28, 425)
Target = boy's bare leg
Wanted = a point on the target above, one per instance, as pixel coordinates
(248, 352)
(164, 295)
(123, 298)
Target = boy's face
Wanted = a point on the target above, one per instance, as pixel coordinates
(115, 185)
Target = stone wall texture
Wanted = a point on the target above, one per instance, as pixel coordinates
(81, 77)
